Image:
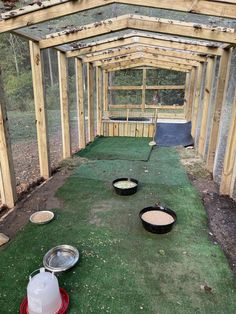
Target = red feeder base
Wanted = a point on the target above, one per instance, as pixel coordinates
(64, 304)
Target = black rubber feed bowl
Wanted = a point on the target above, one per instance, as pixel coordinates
(158, 228)
(125, 191)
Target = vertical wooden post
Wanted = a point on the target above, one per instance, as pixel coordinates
(80, 101)
(144, 88)
(90, 90)
(228, 178)
(40, 110)
(206, 103)
(222, 85)
(196, 99)
(7, 176)
(189, 108)
(65, 115)
(105, 90)
(186, 94)
(99, 99)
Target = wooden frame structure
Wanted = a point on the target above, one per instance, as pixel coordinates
(168, 49)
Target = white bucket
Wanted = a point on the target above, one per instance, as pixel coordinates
(43, 293)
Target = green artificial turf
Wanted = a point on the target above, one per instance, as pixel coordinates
(126, 148)
(123, 268)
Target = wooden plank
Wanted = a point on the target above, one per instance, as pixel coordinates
(53, 9)
(198, 31)
(139, 128)
(122, 129)
(147, 62)
(99, 99)
(187, 92)
(151, 56)
(64, 103)
(132, 129)
(199, 78)
(159, 87)
(90, 95)
(145, 49)
(116, 129)
(80, 101)
(150, 130)
(110, 129)
(40, 110)
(191, 94)
(125, 87)
(134, 106)
(105, 90)
(145, 130)
(228, 177)
(206, 103)
(146, 40)
(223, 78)
(144, 89)
(172, 27)
(7, 175)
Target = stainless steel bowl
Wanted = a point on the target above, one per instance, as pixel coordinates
(61, 258)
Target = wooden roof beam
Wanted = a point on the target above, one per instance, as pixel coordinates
(146, 63)
(141, 23)
(48, 10)
(146, 49)
(140, 38)
(150, 56)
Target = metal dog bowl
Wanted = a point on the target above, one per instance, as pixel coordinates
(61, 258)
(155, 227)
(125, 186)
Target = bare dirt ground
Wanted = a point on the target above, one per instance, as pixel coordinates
(221, 210)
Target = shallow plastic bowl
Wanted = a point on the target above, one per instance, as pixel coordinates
(42, 217)
(125, 191)
(158, 228)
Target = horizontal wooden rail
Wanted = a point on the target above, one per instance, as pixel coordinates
(159, 87)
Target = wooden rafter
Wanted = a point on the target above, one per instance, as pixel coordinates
(151, 56)
(222, 85)
(144, 49)
(144, 39)
(142, 62)
(225, 35)
(49, 10)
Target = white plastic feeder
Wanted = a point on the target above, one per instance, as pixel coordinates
(43, 293)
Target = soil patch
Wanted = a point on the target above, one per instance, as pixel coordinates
(221, 210)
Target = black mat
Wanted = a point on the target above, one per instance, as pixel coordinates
(173, 134)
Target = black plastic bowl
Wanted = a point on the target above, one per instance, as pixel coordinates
(158, 228)
(128, 191)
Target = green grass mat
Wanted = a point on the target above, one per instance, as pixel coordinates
(126, 148)
(123, 268)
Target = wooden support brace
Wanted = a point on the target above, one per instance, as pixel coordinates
(228, 173)
(90, 90)
(40, 110)
(206, 103)
(80, 101)
(191, 94)
(223, 78)
(196, 99)
(7, 176)
(65, 116)
(186, 94)
(144, 88)
(105, 90)
(99, 99)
